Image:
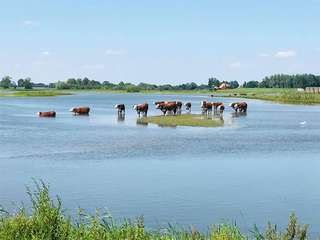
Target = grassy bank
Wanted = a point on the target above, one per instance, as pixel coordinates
(35, 93)
(280, 95)
(191, 120)
(47, 221)
(290, 96)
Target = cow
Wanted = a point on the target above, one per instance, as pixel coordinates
(179, 106)
(217, 105)
(188, 106)
(141, 108)
(80, 110)
(207, 106)
(47, 114)
(168, 107)
(158, 102)
(121, 108)
(241, 106)
(221, 108)
(178, 103)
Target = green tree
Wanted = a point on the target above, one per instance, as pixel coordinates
(251, 84)
(234, 84)
(21, 82)
(5, 82)
(213, 82)
(27, 83)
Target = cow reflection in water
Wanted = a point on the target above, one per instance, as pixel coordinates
(141, 123)
(215, 116)
(166, 126)
(121, 117)
(238, 114)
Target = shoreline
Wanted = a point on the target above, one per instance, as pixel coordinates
(277, 95)
(47, 219)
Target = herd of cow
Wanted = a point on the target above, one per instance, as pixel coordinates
(173, 107)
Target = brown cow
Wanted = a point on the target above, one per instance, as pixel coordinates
(80, 110)
(141, 108)
(168, 106)
(158, 102)
(207, 106)
(178, 103)
(241, 106)
(47, 114)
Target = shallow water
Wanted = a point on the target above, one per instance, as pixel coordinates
(256, 168)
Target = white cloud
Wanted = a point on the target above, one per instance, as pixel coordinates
(235, 65)
(94, 67)
(46, 53)
(112, 51)
(285, 54)
(30, 23)
(264, 55)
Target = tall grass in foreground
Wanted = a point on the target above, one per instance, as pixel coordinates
(47, 221)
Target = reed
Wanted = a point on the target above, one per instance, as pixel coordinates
(46, 220)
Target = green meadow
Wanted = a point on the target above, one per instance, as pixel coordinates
(280, 95)
(34, 93)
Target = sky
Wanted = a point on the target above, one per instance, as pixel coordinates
(158, 41)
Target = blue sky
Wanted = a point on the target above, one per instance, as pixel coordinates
(159, 41)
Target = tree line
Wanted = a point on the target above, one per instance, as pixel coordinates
(7, 82)
(86, 83)
(273, 81)
(285, 81)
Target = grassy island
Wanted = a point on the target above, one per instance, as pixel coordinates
(190, 120)
(34, 93)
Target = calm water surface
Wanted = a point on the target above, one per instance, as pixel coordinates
(256, 168)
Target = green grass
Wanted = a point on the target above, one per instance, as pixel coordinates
(290, 96)
(190, 120)
(34, 93)
(46, 220)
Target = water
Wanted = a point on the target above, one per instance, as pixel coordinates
(256, 168)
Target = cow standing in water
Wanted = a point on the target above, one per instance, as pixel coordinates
(141, 109)
(221, 108)
(80, 110)
(179, 107)
(208, 106)
(167, 107)
(178, 104)
(121, 108)
(239, 106)
(47, 114)
(188, 106)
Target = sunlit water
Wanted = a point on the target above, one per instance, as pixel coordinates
(256, 168)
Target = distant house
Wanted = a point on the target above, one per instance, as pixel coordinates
(223, 86)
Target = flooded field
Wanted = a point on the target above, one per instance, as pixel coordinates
(255, 168)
